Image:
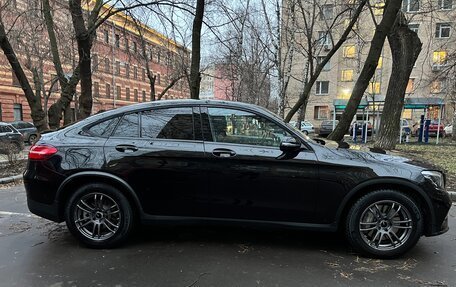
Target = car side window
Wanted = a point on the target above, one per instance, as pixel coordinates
(128, 126)
(240, 127)
(168, 123)
(103, 129)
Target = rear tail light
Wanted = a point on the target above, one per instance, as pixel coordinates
(41, 152)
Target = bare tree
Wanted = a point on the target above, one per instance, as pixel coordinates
(310, 12)
(405, 48)
(370, 65)
(195, 74)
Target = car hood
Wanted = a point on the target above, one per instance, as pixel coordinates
(380, 164)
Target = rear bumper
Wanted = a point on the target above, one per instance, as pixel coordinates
(48, 211)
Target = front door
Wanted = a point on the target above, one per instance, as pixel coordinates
(246, 178)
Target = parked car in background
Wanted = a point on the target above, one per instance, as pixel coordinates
(213, 161)
(11, 140)
(306, 127)
(28, 130)
(448, 130)
(360, 125)
(326, 127)
(433, 128)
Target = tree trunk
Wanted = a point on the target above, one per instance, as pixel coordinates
(68, 86)
(37, 112)
(195, 75)
(453, 135)
(84, 40)
(389, 17)
(405, 48)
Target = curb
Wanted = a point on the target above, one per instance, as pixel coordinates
(14, 178)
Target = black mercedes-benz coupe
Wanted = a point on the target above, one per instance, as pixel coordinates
(225, 162)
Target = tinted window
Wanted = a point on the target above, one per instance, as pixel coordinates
(234, 126)
(172, 123)
(128, 126)
(103, 129)
(5, 129)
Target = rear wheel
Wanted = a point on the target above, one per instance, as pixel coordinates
(99, 215)
(384, 224)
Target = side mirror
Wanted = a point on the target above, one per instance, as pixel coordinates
(290, 148)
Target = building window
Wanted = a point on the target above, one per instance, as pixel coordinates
(95, 62)
(135, 73)
(54, 83)
(135, 95)
(119, 92)
(17, 112)
(439, 58)
(1, 113)
(326, 12)
(374, 88)
(324, 38)
(321, 112)
(410, 86)
(411, 5)
(144, 96)
(380, 62)
(378, 8)
(15, 80)
(117, 41)
(143, 74)
(127, 70)
(158, 79)
(327, 66)
(135, 47)
(442, 30)
(347, 76)
(127, 94)
(117, 68)
(414, 27)
(96, 89)
(349, 51)
(108, 91)
(322, 88)
(158, 57)
(436, 87)
(106, 36)
(107, 65)
(445, 4)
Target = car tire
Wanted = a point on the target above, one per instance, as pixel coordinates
(306, 133)
(32, 139)
(384, 224)
(99, 216)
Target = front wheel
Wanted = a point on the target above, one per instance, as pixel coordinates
(384, 224)
(99, 215)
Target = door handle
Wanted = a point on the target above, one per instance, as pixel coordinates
(222, 152)
(126, 148)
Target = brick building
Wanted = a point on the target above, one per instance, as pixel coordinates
(119, 73)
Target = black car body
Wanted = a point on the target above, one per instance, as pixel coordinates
(10, 139)
(203, 160)
(28, 130)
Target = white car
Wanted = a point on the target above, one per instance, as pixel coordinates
(306, 127)
(448, 130)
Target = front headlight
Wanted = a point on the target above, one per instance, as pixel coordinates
(436, 177)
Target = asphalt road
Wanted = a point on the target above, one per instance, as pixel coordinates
(37, 252)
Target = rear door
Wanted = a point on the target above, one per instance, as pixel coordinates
(159, 153)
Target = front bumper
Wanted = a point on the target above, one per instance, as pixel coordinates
(441, 204)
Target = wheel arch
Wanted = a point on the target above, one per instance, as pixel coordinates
(74, 181)
(404, 186)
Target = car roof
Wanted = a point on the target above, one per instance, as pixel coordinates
(4, 124)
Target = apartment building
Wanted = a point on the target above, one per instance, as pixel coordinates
(430, 90)
(119, 68)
